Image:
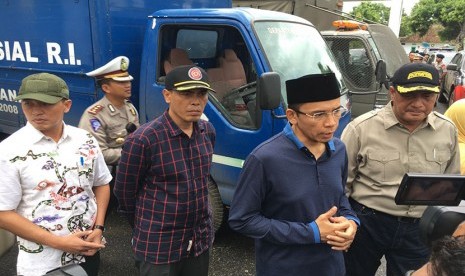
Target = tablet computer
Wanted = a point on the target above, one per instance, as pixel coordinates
(431, 189)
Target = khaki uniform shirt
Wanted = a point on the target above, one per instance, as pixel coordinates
(380, 151)
(108, 125)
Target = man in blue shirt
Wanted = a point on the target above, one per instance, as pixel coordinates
(290, 196)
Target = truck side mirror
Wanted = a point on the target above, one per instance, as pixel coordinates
(380, 71)
(451, 67)
(269, 90)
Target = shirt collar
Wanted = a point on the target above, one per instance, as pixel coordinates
(289, 133)
(175, 130)
(390, 118)
(36, 135)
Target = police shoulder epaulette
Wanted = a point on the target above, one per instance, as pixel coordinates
(95, 109)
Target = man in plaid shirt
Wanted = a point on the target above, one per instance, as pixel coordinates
(161, 182)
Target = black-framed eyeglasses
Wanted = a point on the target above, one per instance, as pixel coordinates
(321, 116)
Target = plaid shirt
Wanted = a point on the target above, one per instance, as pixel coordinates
(161, 185)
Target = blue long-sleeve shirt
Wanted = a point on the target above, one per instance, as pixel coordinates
(281, 191)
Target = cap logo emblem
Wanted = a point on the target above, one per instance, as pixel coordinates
(195, 73)
(420, 74)
(124, 65)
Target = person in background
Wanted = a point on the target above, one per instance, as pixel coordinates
(418, 58)
(54, 191)
(426, 58)
(113, 117)
(456, 112)
(411, 55)
(440, 66)
(405, 136)
(162, 181)
(290, 195)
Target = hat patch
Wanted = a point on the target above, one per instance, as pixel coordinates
(195, 73)
(420, 74)
(124, 65)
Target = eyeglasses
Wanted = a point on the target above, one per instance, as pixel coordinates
(321, 116)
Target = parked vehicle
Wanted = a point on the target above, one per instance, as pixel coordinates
(358, 48)
(377, 43)
(321, 13)
(453, 86)
(248, 53)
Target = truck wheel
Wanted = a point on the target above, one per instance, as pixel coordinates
(214, 198)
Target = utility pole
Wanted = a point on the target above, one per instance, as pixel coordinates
(395, 16)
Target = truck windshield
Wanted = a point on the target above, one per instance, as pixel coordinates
(294, 50)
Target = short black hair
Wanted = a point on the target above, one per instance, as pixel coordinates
(101, 82)
(448, 256)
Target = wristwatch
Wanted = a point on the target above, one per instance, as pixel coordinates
(101, 227)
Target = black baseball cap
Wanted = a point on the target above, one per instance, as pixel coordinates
(187, 77)
(415, 77)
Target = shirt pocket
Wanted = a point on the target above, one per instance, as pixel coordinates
(436, 160)
(384, 166)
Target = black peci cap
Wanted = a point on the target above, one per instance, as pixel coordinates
(312, 88)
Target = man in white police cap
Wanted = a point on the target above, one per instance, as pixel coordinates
(113, 117)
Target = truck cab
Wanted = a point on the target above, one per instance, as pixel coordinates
(237, 57)
(357, 48)
(248, 54)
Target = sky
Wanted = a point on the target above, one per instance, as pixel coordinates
(407, 5)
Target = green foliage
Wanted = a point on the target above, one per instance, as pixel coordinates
(404, 26)
(378, 13)
(448, 13)
(423, 15)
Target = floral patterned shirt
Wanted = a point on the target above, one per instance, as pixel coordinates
(50, 183)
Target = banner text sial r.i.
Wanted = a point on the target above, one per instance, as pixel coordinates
(25, 51)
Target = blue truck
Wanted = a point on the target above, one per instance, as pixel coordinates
(248, 54)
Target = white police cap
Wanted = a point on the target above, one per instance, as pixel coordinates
(116, 69)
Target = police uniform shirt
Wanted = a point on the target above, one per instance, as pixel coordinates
(108, 125)
(380, 151)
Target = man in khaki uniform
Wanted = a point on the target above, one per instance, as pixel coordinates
(113, 117)
(382, 145)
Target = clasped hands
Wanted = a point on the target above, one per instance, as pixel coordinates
(86, 242)
(339, 232)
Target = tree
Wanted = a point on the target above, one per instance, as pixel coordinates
(379, 13)
(448, 13)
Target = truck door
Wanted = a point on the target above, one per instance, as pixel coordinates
(358, 69)
(223, 52)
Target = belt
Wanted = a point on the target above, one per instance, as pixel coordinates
(376, 212)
